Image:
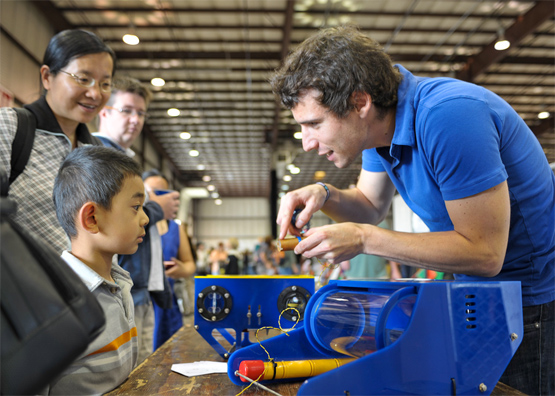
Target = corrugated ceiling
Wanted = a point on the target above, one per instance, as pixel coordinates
(216, 57)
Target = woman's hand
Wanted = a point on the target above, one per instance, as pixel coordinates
(178, 269)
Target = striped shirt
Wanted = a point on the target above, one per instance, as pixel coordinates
(32, 190)
(111, 357)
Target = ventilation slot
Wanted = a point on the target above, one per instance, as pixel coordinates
(470, 311)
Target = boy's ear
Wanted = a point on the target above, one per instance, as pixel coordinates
(87, 217)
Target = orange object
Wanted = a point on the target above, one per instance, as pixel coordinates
(287, 243)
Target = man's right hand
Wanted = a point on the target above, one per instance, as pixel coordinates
(311, 198)
(169, 203)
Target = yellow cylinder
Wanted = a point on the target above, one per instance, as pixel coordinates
(301, 368)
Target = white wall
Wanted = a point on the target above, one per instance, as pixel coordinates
(19, 61)
(246, 219)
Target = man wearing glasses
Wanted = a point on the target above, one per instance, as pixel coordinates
(121, 122)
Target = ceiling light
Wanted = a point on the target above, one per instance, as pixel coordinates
(185, 135)
(298, 135)
(215, 195)
(206, 178)
(502, 43)
(285, 187)
(130, 39)
(543, 115)
(319, 175)
(194, 153)
(295, 171)
(158, 82)
(290, 166)
(210, 187)
(173, 112)
(201, 167)
(218, 202)
(287, 178)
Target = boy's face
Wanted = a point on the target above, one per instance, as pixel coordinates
(123, 226)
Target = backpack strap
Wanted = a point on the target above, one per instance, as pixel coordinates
(23, 142)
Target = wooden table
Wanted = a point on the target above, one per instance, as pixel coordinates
(154, 375)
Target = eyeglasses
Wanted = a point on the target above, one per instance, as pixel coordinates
(87, 82)
(129, 112)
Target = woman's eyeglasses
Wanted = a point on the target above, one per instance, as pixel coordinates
(87, 82)
(129, 112)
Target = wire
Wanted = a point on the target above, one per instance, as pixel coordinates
(255, 383)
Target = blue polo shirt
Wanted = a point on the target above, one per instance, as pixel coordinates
(453, 140)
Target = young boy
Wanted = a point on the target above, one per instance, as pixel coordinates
(99, 196)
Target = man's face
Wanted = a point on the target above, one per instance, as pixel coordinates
(340, 139)
(121, 127)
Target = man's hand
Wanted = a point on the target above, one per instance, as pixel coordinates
(311, 198)
(169, 203)
(334, 243)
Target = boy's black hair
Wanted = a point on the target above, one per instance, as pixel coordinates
(89, 174)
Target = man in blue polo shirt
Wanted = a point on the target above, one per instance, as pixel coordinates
(461, 158)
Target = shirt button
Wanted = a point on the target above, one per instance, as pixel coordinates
(113, 290)
(537, 325)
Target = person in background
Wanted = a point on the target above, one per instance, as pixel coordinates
(218, 259)
(265, 264)
(178, 260)
(202, 259)
(233, 265)
(99, 195)
(120, 123)
(366, 266)
(76, 75)
(464, 161)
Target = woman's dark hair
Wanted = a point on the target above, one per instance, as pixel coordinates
(337, 62)
(71, 44)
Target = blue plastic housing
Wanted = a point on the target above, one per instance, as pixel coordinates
(435, 337)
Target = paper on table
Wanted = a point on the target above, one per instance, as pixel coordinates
(199, 368)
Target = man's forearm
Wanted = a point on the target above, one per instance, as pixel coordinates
(446, 251)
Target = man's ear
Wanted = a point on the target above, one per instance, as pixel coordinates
(103, 113)
(87, 218)
(362, 102)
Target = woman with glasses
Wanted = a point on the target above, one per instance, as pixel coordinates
(77, 76)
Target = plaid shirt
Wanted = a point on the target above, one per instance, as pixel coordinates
(32, 190)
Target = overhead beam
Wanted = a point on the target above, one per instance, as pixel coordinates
(262, 55)
(309, 29)
(287, 28)
(53, 15)
(223, 10)
(547, 125)
(524, 26)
